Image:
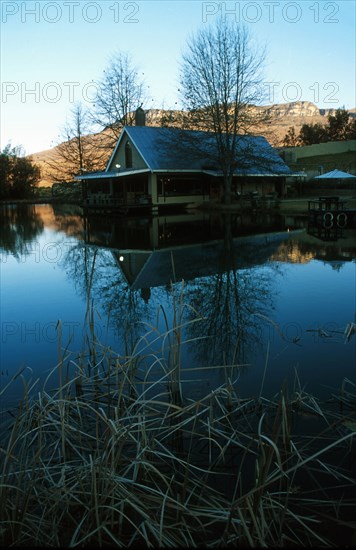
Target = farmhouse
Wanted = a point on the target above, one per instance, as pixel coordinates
(157, 167)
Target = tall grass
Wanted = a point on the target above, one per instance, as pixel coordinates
(114, 458)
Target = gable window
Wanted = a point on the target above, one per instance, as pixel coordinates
(128, 155)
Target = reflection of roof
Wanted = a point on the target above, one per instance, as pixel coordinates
(170, 149)
(159, 267)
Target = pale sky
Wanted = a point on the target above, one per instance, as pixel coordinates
(54, 52)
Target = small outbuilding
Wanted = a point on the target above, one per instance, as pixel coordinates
(335, 175)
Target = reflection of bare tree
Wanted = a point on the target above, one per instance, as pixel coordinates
(78, 262)
(19, 226)
(227, 302)
(97, 277)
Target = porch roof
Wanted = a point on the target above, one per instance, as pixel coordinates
(218, 173)
(112, 174)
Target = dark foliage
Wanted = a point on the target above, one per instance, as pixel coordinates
(340, 127)
(18, 174)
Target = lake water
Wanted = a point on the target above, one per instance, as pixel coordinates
(259, 292)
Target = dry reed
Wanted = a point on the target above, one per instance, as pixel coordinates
(114, 459)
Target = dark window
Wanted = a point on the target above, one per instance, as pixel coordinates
(180, 185)
(138, 185)
(99, 186)
(128, 155)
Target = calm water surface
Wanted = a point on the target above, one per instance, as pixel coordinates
(259, 292)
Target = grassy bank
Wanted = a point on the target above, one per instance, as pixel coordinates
(119, 457)
(297, 206)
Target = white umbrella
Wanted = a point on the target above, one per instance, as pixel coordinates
(335, 174)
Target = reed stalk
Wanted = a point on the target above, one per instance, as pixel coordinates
(110, 459)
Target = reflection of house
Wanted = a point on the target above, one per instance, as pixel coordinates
(157, 167)
(147, 233)
(147, 269)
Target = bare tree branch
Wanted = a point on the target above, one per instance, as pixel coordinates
(121, 92)
(78, 149)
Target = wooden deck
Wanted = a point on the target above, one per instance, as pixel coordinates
(109, 205)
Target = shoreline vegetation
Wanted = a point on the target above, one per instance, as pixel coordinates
(282, 206)
(118, 456)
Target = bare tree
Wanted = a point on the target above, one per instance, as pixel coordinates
(221, 83)
(80, 147)
(78, 150)
(120, 93)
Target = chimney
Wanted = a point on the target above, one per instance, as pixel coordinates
(140, 117)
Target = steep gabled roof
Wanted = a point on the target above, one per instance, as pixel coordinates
(172, 149)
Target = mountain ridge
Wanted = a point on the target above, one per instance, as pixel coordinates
(283, 116)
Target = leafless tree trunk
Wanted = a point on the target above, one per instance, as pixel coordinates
(221, 82)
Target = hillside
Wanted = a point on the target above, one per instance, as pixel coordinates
(282, 117)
